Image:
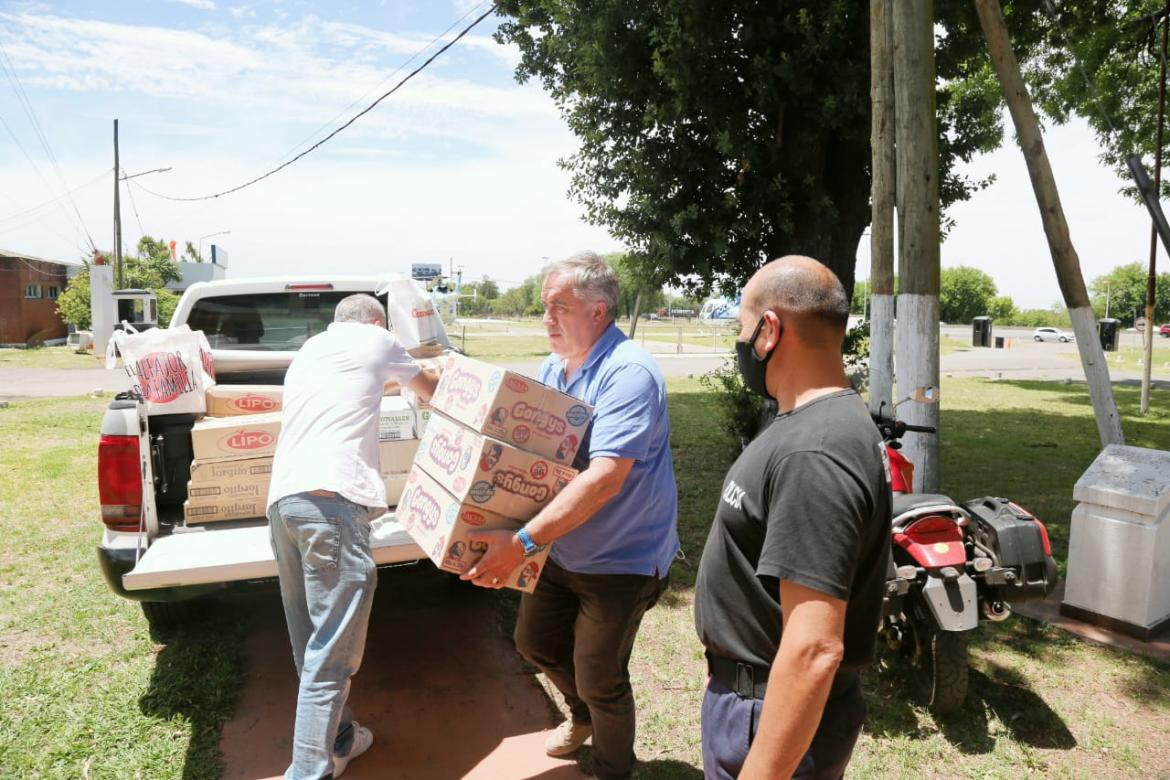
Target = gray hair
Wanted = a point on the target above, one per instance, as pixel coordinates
(593, 279)
(359, 308)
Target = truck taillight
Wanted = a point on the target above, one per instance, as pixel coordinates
(120, 482)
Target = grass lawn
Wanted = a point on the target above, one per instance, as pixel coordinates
(1133, 358)
(88, 693)
(48, 357)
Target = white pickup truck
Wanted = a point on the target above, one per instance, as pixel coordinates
(147, 553)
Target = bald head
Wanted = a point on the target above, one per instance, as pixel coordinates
(805, 293)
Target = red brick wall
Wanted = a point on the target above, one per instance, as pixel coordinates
(24, 319)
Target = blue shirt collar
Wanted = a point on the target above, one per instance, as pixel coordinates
(608, 339)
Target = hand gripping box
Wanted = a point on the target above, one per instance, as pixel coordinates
(439, 523)
(488, 473)
(235, 438)
(230, 400)
(512, 408)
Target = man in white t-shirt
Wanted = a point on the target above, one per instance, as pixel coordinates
(325, 488)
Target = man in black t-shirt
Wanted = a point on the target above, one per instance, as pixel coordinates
(788, 596)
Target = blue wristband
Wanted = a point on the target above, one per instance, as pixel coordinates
(530, 547)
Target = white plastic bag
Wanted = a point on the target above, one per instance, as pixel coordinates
(171, 368)
(413, 315)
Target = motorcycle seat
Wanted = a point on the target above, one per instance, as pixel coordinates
(912, 502)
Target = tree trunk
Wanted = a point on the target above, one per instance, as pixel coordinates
(1064, 256)
(636, 312)
(881, 313)
(916, 137)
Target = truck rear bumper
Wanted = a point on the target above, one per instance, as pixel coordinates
(116, 562)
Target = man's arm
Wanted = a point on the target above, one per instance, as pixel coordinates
(811, 648)
(424, 383)
(582, 497)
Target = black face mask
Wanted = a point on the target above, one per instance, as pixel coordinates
(753, 369)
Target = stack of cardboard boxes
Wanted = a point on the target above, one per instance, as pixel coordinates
(233, 449)
(496, 449)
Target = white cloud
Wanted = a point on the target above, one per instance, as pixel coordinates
(202, 5)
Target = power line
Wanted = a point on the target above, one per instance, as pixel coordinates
(51, 201)
(26, 104)
(389, 76)
(41, 176)
(353, 119)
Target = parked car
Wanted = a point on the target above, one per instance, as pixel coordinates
(1052, 334)
(1165, 330)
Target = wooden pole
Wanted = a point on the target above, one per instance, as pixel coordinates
(1152, 277)
(881, 238)
(1064, 256)
(916, 140)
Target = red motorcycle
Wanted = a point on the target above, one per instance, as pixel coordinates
(950, 564)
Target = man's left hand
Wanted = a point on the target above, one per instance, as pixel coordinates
(503, 555)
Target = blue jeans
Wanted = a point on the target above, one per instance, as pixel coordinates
(729, 724)
(327, 581)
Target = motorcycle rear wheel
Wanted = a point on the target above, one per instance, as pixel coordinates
(939, 668)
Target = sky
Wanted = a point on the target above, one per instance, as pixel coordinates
(458, 167)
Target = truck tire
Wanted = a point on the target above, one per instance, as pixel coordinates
(164, 617)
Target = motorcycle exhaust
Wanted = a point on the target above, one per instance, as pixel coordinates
(997, 611)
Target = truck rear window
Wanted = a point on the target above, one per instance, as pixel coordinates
(267, 321)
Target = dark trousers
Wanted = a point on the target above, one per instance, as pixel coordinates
(579, 630)
(730, 722)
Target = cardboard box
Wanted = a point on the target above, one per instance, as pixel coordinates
(396, 419)
(422, 411)
(439, 523)
(396, 457)
(197, 511)
(512, 408)
(202, 492)
(230, 400)
(249, 470)
(235, 438)
(489, 473)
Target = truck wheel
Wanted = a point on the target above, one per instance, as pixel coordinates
(164, 617)
(939, 668)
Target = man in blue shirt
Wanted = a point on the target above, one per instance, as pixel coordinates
(615, 524)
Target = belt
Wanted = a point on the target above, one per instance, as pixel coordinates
(751, 681)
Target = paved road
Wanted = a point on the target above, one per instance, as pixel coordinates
(1025, 359)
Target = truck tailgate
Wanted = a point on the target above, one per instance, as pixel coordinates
(233, 554)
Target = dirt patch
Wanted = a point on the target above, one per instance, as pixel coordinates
(443, 691)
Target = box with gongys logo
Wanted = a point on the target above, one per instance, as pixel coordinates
(235, 438)
(230, 400)
(489, 473)
(440, 524)
(512, 408)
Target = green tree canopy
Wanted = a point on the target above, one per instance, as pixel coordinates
(964, 293)
(151, 269)
(1124, 288)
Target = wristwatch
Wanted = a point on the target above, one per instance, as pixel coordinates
(530, 547)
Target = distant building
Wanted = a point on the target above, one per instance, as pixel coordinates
(29, 287)
(197, 272)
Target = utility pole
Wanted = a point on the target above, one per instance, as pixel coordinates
(1064, 256)
(881, 234)
(916, 192)
(1152, 278)
(117, 214)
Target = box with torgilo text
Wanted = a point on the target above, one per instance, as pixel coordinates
(512, 408)
(439, 523)
(248, 470)
(230, 400)
(235, 438)
(396, 419)
(209, 510)
(489, 473)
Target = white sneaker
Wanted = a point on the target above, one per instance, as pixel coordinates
(567, 738)
(362, 739)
